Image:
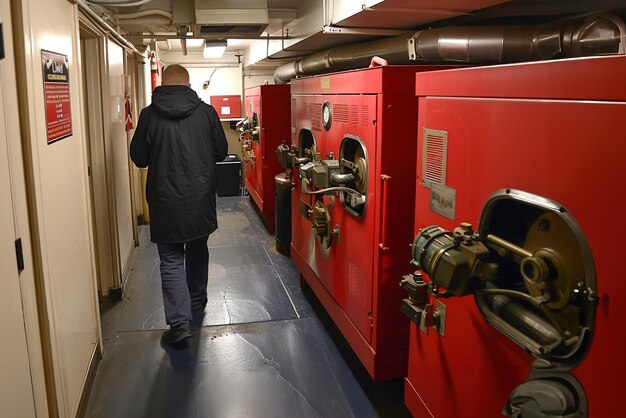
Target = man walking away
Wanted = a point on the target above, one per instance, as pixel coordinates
(180, 138)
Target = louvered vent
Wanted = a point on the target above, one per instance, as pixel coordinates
(354, 114)
(303, 111)
(316, 116)
(435, 154)
(365, 111)
(340, 113)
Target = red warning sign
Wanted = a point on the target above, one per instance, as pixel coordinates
(56, 87)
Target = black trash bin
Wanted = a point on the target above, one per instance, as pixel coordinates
(283, 213)
(228, 176)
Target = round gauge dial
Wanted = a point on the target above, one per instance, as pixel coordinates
(327, 117)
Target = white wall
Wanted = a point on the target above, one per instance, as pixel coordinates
(224, 81)
(147, 85)
(61, 203)
(20, 390)
(257, 80)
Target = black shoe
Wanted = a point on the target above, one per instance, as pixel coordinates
(176, 335)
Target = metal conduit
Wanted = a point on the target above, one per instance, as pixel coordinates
(603, 34)
(82, 4)
(143, 13)
(122, 3)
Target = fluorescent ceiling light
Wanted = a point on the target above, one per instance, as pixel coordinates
(214, 49)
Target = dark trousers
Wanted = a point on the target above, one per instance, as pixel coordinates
(184, 276)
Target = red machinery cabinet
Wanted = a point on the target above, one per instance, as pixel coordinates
(350, 253)
(269, 107)
(547, 132)
(227, 107)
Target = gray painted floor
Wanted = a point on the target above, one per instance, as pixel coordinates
(262, 351)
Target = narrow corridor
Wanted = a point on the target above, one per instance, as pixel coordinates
(262, 350)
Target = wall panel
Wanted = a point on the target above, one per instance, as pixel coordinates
(60, 213)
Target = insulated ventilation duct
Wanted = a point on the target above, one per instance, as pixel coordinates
(230, 17)
(604, 34)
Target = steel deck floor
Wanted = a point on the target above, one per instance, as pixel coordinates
(263, 351)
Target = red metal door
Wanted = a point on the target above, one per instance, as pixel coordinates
(346, 268)
(252, 168)
(356, 277)
(266, 107)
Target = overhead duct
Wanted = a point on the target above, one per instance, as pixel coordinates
(595, 35)
(230, 17)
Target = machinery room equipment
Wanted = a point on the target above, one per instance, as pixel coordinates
(516, 285)
(263, 129)
(353, 154)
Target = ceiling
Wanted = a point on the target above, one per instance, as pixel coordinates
(301, 27)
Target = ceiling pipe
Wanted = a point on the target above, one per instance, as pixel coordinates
(123, 3)
(475, 45)
(143, 13)
(160, 37)
(85, 8)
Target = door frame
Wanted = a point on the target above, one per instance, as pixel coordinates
(102, 193)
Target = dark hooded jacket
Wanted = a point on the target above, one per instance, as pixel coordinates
(179, 138)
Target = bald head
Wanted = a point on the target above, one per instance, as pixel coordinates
(175, 75)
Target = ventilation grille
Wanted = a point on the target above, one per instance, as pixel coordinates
(232, 29)
(358, 115)
(316, 116)
(365, 111)
(303, 111)
(435, 154)
(247, 17)
(355, 114)
(340, 113)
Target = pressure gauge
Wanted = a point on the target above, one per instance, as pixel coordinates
(327, 117)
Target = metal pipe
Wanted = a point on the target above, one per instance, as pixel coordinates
(523, 319)
(342, 178)
(394, 50)
(85, 8)
(143, 13)
(201, 36)
(301, 161)
(477, 45)
(123, 3)
(331, 189)
(509, 246)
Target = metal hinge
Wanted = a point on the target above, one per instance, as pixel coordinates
(19, 254)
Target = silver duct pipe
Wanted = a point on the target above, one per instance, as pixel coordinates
(505, 44)
(476, 45)
(394, 50)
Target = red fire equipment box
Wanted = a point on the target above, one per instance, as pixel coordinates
(516, 276)
(266, 126)
(227, 107)
(353, 206)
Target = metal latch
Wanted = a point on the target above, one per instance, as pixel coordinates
(434, 316)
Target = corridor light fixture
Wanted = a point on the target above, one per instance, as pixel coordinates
(214, 49)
